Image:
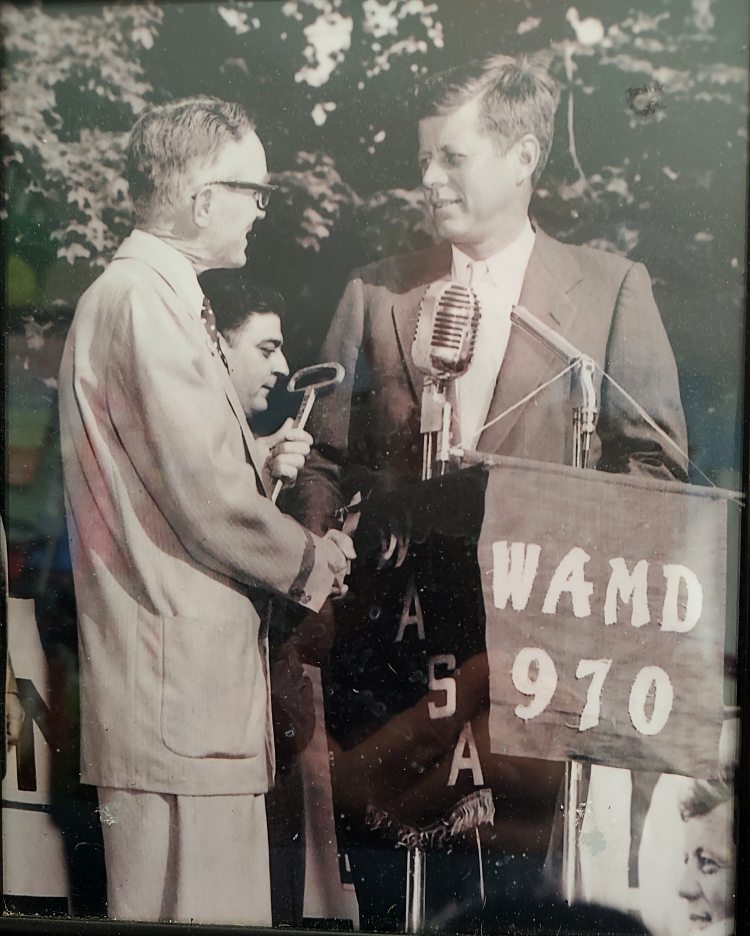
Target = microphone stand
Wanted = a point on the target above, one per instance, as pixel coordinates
(435, 427)
(584, 424)
(584, 416)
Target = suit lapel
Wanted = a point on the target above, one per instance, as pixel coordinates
(552, 272)
(251, 444)
(405, 310)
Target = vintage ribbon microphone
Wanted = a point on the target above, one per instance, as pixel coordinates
(442, 350)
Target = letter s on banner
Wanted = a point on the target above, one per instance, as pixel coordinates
(446, 684)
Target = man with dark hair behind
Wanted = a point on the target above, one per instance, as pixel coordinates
(176, 547)
(484, 137)
(250, 316)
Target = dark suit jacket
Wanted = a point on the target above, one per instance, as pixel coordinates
(369, 425)
(600, 302)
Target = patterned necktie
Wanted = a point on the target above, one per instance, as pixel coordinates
(209, 322)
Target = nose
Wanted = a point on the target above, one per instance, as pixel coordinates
(689, 888)
(433, 174)
(280, 366)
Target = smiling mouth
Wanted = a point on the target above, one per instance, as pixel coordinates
(437, 204)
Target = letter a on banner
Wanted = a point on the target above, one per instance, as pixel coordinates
(411, 614)
(569, 577)
(466, 757)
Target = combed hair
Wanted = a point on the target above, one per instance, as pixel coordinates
(168, 140)
(235, 299)
(517, 95)
(706, 795)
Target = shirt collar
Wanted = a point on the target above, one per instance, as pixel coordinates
(173, 266)
(506, 266)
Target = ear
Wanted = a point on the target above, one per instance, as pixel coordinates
(527, 150)
(202, 206)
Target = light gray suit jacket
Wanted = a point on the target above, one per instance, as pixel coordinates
(175, 546)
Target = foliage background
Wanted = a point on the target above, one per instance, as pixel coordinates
(650, 157)
(650, 160)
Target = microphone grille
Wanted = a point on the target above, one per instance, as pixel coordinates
(446, 330)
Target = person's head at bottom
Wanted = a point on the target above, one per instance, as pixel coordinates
(709, 853)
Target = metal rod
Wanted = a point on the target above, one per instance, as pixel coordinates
(415, 888)
(589, 409)
(570, 832)
(577, 437)
(427, 456)
(584, 424)
(482, 895)
(444, 438)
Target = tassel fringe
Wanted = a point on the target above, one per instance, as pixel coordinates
(469, 813)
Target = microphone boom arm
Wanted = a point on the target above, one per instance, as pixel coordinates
(585, 415)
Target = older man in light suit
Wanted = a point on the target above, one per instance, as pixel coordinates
(176, 546)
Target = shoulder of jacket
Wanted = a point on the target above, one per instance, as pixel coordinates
(125, 275)
(600, 257)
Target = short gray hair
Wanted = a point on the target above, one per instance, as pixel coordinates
(516, 95)
(168, 140)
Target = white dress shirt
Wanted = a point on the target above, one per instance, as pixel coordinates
(497, 282)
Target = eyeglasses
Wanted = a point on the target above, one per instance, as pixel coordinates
(261, 193)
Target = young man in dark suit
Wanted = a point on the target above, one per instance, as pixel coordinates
(484, 138)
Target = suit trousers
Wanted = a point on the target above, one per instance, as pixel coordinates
(201, 859)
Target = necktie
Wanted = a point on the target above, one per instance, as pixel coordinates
(209, 322)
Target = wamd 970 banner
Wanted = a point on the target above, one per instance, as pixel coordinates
(606, 605)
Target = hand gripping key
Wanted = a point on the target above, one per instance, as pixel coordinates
(308, 381)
